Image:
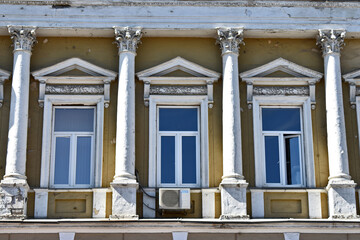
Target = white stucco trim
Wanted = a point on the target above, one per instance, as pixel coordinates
(50, 101)
(99, 202)
(66, 236)
(304, 103)
(291, 236)
(201, 101)
(41, 203)
(179, 235)
(208, 202)
(257, 203)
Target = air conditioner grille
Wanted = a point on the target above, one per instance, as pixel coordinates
(170, 198)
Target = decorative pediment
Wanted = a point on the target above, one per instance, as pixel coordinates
(284, 77)
(353, 79)
(178, 77)
(74, 76)
(3, 76)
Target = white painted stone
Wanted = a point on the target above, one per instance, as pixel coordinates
(14, 187)
(127, 40)
(23, 40)
(233, 200)
(124, 201)
(341, 192)
(291, 236)
(208, 203)
(179, 235)
(66, 236)
(99, 203)
(149, 203)
(124, 185)
(233, 185)
(314, 203)
(257, 203)
(41, 203)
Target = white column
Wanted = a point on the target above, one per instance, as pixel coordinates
(341, 189)
(233, 186)
(124, 185)
(14, 186)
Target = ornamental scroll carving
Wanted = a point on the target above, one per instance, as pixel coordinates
(331, 41)
(281, 91)
(230, 40)
(23, 38)
(74, 89)
(178, 90)
(127, 39)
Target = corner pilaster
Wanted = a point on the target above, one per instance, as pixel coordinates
(341, 189)
(124, 185)
(233, 185)
(14, 187)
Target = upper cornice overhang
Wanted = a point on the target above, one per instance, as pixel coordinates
(181, 18)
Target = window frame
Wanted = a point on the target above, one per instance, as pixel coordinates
(179, 101)
(308, 172)
(282, 149)
(73, 160)
(178, 148)
(51, 101)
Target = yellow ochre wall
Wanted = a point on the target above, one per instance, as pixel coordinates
(203, 51)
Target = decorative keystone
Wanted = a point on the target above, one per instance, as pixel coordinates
(229, 40)
(331, 41)
(127, 39)
(23, 38)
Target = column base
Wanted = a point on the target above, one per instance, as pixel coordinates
(13, 199)
(124, 199)
(233, 199)
(341, 197)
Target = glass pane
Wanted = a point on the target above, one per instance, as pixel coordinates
(293, 160)
(62, 155)
(178, 119)
(189, 159)
(74, 119)
(281, 119)
(83, 160)
(168, 159)
(272, 159)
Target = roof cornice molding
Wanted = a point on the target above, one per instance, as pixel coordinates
(199, 3)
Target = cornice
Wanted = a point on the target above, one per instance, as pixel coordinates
(199, 3)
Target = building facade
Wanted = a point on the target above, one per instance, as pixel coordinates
(179, 119)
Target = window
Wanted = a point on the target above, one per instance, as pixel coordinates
(283, 151)
(178, 146)
(178, 137)
(283, 146)
(73, 146)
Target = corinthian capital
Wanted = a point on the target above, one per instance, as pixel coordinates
(23, 38)
(230, 39)
(331, 41)
(127, 39)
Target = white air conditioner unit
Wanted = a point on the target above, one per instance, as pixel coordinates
(174, 198)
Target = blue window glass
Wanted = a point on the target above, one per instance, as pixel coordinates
(189, 159)
(281, 119)
(293, 160)
(62, 157)
(272, 159)
(178, 119)
(74, 119)
(83, 160)
(168, 159)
